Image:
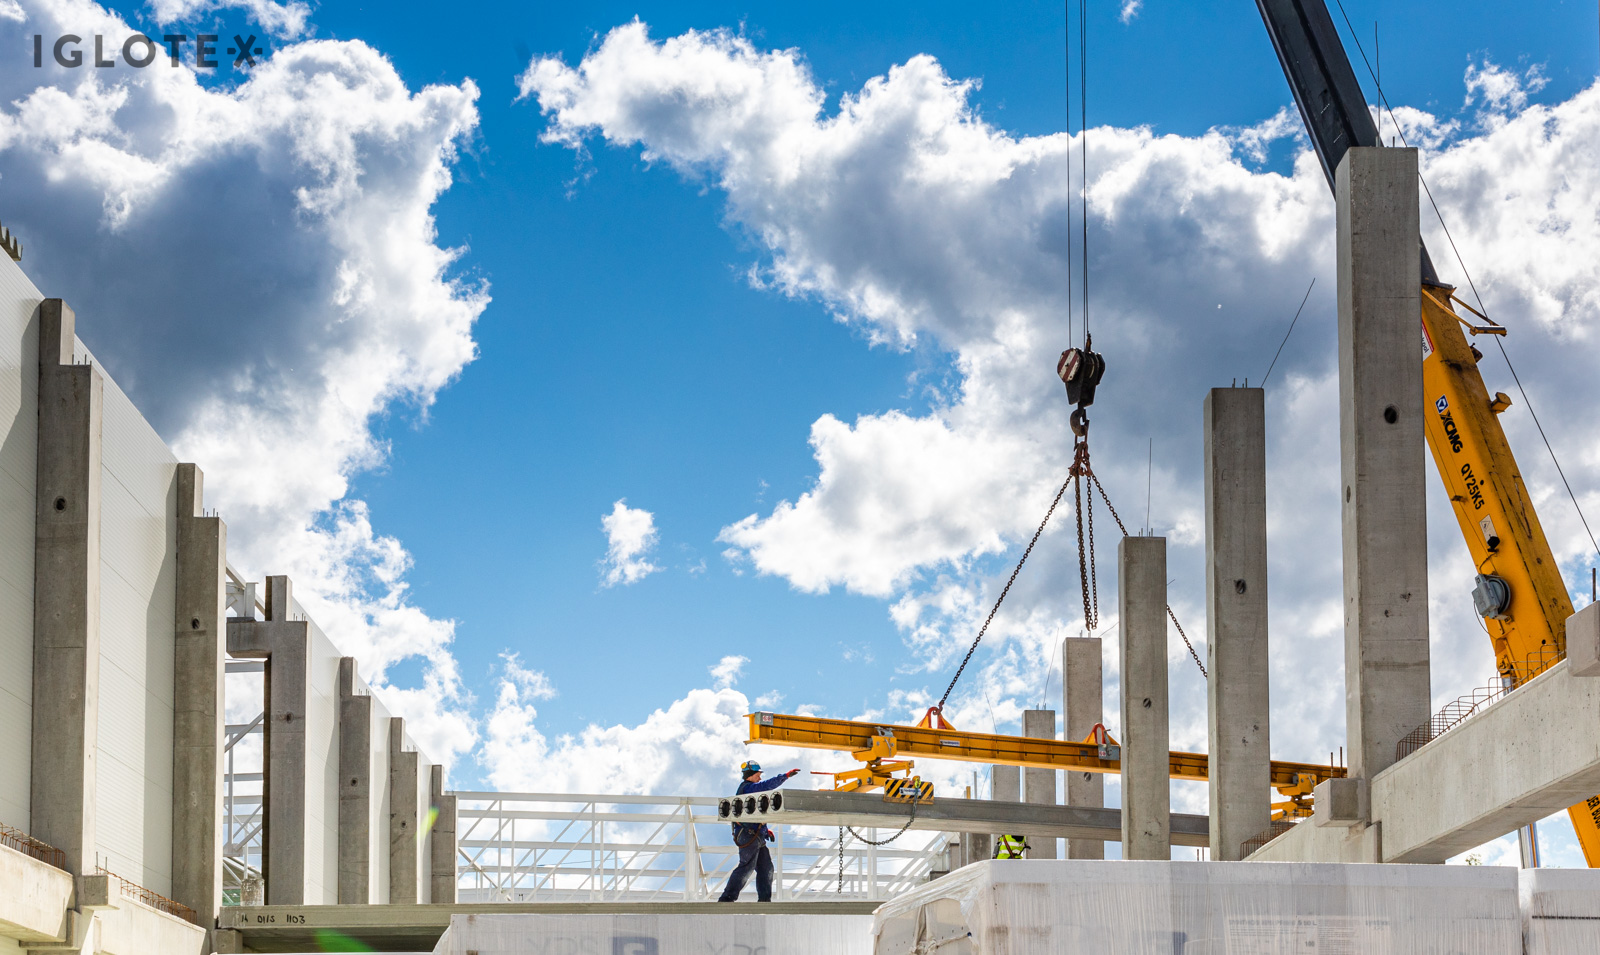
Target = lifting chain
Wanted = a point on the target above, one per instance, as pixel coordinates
(1088, 579)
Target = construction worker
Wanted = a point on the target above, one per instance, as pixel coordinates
(1011, 847)
(752, 839)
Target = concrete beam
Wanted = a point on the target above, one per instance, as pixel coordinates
(66, 593)
(1530, 754)
(1308, 842)
(36, 901)
(1583, 641)
(126, 926)
(1237, 710)
(1082, 707)
(197, 711)
(405, 818)
(1142, 615)
(411, 928)
(355, 788)
(1039, 785)
(285, 645)
(442, 840)
(1381, 444)
(826, 808)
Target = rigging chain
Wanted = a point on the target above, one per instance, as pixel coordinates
(1174, 617)
(1086, 565)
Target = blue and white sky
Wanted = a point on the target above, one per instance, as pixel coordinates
(602, 372)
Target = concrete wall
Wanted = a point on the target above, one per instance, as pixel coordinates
(133, 755)
(19, 423)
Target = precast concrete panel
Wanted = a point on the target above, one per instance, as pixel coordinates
(138, 580)
(322, 768)
(19, 428)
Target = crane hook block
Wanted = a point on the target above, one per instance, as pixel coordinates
(1081, 369)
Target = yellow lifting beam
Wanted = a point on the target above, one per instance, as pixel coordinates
(874, 743)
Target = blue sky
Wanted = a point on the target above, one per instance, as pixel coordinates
(623, 351)
(689, 393)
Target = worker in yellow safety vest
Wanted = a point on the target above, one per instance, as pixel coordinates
(1011, 847)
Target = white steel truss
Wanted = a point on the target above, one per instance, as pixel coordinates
(567, 847)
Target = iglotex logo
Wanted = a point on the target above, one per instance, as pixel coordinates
(140, 51)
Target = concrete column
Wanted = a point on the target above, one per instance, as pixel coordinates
(1142, 612)
(442, 840)
(285, 645)
(1006, 785)
(405, 817)
(1082, 702)
(355, 788)
(1237, 707)
(66, 594)
(1381, 454)
(199, 640)
(1039, 785)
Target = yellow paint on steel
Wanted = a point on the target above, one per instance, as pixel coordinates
(813, 732)
(1490, 500)
(1489, 497)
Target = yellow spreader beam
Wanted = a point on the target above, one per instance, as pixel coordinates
(812, 732)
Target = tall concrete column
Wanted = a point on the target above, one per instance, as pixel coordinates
(1039, 785)
(1083, 704)
(355, 788)
(442, 840)
(285, 645)
(405, 817)
(66, 594)
(199, 640)
(1237, 708)
(1142, 612)
(1005, 783)
(1382, 449)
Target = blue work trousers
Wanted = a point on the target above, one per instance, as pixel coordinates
(753, 856)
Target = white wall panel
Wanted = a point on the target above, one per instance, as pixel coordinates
(19, 425)
(138, 574)
(378, 825)
(322, 770)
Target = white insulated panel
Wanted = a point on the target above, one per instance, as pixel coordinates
(19, 426)
(138, 574)
(322, 770)
(378, 825)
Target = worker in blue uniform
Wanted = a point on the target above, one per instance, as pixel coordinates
(751, 838)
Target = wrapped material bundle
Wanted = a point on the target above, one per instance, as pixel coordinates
(666, 932)
(1207, 908)
(1561, 911)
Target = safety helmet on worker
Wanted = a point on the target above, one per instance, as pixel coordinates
(749, 768)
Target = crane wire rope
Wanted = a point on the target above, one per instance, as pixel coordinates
(1083, 145)
(1289, 332)
(1066, 44)
(1400, 131)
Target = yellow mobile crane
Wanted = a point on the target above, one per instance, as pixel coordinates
(1518, 589)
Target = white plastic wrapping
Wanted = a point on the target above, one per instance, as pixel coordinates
(1561, 911)
(1207, 908)
(733, 932)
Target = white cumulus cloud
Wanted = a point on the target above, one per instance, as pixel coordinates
(630, 536)
(271, 237)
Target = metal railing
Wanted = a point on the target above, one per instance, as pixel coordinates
(562, 847)
(1277, 828)
(150, 897)
(1464, 707)
(28, 845)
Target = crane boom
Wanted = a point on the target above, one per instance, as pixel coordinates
(1519, 591)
